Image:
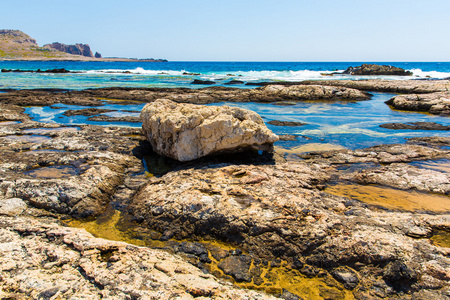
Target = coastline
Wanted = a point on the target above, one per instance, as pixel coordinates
(261, 213)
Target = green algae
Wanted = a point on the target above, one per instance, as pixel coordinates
(273, 278)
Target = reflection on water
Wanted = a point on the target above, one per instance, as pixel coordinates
(50, 130)
(29, 138)
(441, 165)
(392, 198)
(441, 239)
(62, 171)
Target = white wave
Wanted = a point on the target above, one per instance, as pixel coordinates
(263, 75)
(137, 71)
(269, 75)
(430, 74)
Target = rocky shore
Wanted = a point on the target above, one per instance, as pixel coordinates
(258, 212)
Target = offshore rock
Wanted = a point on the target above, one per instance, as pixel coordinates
(434, 103)
(372, 69)
(186, 132)
(41, 259)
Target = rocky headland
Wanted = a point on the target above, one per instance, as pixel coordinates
(295, 229)
(17, 45)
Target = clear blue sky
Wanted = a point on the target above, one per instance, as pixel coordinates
(241, 30)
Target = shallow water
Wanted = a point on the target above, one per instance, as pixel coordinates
(331, 125)
(44, 131)
(61, 171)
(392, 198)
(29, 138)
(113, 225)
(441, 239)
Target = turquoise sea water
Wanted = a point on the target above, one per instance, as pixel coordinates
(341, 124)
(170, 74)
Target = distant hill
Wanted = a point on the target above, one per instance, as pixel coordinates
(17, 45)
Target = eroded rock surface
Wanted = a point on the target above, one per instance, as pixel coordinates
(434, 103)
(186, 131)
(416, 126)
(405, 177)
(274, 93)
(279, 212)
(388, 86)
(43, 260)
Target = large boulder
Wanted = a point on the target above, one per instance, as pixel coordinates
(186, 131)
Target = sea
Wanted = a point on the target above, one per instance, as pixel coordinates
(330, 125)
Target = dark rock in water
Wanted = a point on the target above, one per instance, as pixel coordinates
(62, 70)
(416, 126)
(372, 69)
(191, 74)
(285, 123)
(238, 267)
(287, 137)
(97, 55)
(286, 295)
(86, 112)
(285, 103)
(347, 276)
(400, 275)
(77, 49)
(197, 81)
(103, 118)
(196, 249)
(234, 82)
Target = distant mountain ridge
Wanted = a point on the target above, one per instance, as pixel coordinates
(17, 45)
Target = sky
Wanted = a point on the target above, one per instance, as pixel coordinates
(241, 30)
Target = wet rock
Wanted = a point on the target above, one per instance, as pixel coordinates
(205, 82)
(238, 267)
(400, 275)
(387, 86)
(86, 112)
(196, 249)
(346, 276)
(286, 123)
(128, 119)
(378, 154)
(233, 82)
(41, 259)
(272, 94)
(289, 296)
(434, 141)
(12, 113)
(186, 132)
(406, 177)
(287, 137)
(434, 103)
(372, 69)
(416, 126)
(12, 206)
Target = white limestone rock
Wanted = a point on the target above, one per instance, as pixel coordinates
(187, 131)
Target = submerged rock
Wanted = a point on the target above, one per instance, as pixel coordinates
(416, 126)
(186, 132)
